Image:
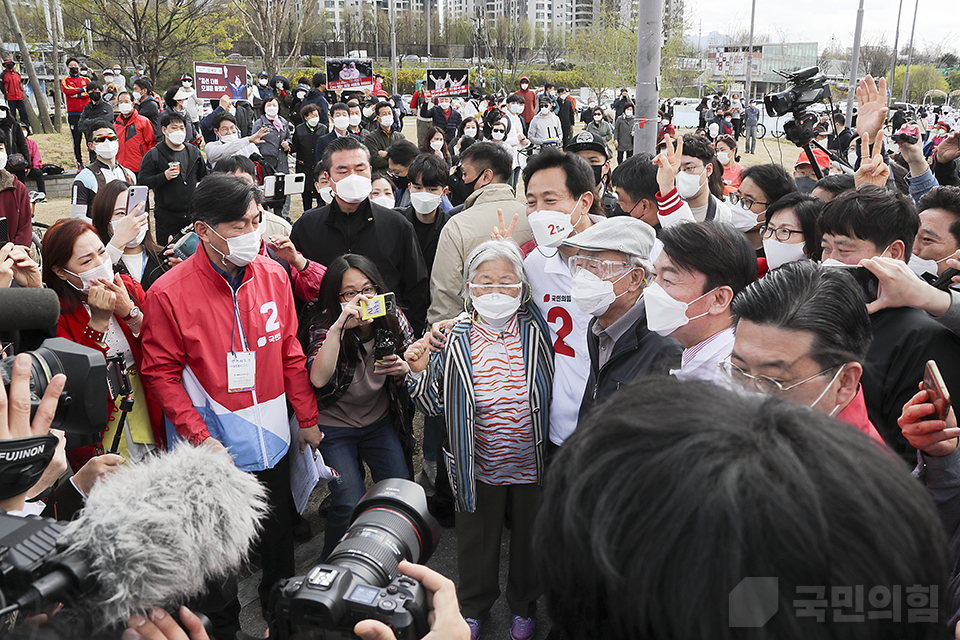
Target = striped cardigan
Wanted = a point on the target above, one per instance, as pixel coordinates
(446, 386)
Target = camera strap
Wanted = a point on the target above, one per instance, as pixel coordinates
(22, 462)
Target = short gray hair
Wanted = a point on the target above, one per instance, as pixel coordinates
(494, 250)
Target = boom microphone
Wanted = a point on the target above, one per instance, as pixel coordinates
(155, 534)
(27, 308)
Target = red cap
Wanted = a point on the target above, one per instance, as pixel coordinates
(6, 60)
(822, 159)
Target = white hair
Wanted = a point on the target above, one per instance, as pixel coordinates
(494, 250)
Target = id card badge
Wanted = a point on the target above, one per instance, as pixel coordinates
(241, 371)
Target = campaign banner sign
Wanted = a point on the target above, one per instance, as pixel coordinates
(213, 80)
(448, 82)
(349, 73)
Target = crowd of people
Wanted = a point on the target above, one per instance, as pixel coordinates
(674, 322)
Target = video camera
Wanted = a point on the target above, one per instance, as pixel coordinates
(809, 87)
(361, 578)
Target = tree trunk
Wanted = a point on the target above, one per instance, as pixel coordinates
(55, 41)
(31, 72)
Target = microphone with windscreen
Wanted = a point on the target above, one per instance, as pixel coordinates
(24, 309)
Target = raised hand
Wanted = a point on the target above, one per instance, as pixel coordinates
(873, 170)
(668, 163)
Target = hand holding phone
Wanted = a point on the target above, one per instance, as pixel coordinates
(937, 391)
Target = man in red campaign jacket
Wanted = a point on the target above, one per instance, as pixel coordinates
(221, 355)
(135, 133)
(74, 87)
(13, 91)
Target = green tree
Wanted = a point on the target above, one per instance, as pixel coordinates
(953, 79)
(923, 78)
(607, 52)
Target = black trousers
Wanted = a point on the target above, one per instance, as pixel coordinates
(72, 120)
(34, 173)
(19, 107)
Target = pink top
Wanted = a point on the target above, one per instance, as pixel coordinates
(732, 177)
(504, 450)
(34, 154)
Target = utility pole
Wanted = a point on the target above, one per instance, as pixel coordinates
(854, 64)
(55, 43)
(893, 58)
(649, 43)
(393, 42)
(429, 25)
(747, 95)
(44, 115)
(906, 76)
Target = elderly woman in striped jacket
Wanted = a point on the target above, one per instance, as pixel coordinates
(493, 383)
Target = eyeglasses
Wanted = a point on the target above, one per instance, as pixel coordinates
(764, 384)
(104, 138)
(782, 234)
(347, 296)
(603, 269)
(747, 201)
(693, 169)
(484, 289)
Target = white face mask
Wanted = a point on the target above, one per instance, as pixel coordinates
(424, 203)
(689, 185)
(177, 137)
(243, 249)
(367, 112)
(723, 157)
(666, 314)
(104, 271)
(497, 135)
(355, 120)
(516, 108)
(496, 309)
(921, 266)
(263, 82)
(544, 111)
(824, 392)
(313, 122)
(592, 295)
(232, 110)
(780, 253)
(386, 121)
(125, 108)
(386, 201)
(229, 137)
(301, 95)
(136, 241)
(436, 145)
(353, 189)
(107, 149)
(326, 194)
(629, 114)
(524, 85)
(445, 106)
(550, 228)
(470, 131)
(597, 118)
(3, 159)
(339, 122)
(271, 111)
(187, 84)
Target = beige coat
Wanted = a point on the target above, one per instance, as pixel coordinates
(461, 235)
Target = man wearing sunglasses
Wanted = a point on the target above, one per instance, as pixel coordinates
(802, 333)
(104, 168)
(609, 275)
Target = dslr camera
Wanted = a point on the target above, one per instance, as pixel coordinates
(809, 87)
(361, 578)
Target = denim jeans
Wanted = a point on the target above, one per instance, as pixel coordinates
(750, 132)
(379, 446)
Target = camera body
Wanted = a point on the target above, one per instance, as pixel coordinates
(809, 88)
(384, 344)
(361, 579)
(335, 599)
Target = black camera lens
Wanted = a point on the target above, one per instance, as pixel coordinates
(82, 409)
(391, 523)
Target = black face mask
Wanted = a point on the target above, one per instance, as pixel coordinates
(95, 96)
(472, 185)
(597, 173)
(805, 184)
(74, 72)
(401, 182)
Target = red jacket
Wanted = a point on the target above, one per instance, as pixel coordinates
(136, 138)
(74, 89)
(12, 88)
(73, 325)
(15, 207)
(530, 106)
(190, 332)
(35, 161)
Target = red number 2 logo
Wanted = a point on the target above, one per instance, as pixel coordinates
(552, 229)
(566, 326)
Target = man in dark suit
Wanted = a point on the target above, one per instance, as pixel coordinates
(567, 116)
